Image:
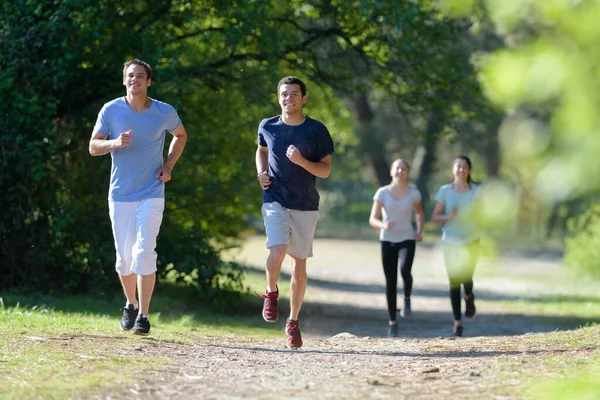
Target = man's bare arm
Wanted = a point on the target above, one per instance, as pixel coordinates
(100, 146)
(177, 146)
(262, 159)
(175, 151)
(262, 166)
(321, 168)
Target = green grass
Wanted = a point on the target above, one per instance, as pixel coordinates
(575, 307)
(585, 337)
(35, 363)
(57, 348)
(60, 350)
(584, 386)
(556, 292)
(566, 376)
(563, 366)
(38, 367)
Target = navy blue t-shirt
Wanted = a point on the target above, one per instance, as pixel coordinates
(291, 185)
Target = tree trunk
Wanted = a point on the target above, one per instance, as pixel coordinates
(492, 148)
(428, 151)
(372, 146)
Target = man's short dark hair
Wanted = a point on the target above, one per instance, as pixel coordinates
(292, 80)
(137, 61)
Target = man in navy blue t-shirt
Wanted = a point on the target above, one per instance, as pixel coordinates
(293, 150)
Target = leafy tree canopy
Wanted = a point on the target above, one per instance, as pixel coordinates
(218, 63)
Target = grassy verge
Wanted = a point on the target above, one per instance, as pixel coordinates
(585, 308)
(55, 348)
(572, 374)
(583, 383)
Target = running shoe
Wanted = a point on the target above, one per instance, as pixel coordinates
(270, 312)
(457, 331)
(128, 318)
(142, 326)
(294, 338)
(393, 330)
(470, 306)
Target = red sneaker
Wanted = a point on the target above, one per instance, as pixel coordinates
(270, 312)
(294, 339)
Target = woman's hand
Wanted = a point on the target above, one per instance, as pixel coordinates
(387, 225)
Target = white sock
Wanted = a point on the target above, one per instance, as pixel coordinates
(135, 306)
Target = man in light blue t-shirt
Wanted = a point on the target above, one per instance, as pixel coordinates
(133, 129)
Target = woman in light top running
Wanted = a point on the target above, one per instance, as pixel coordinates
(460, 237)
(398, 238)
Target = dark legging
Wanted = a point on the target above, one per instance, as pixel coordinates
(460, 263)
(390, 254)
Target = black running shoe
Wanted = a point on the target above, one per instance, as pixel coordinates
(457, 331)
(393, 330)
(470, 306)
(142, 326)
(128, 318)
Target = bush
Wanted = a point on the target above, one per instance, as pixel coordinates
(60, 62)
(582, 251)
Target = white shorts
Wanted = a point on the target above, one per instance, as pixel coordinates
(135, 227)
(291, 227)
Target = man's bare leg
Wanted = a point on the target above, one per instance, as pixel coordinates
(146, 288)
(276, 256)
(128, 282)
(297, 285)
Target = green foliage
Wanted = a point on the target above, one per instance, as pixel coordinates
(545, 78)
(218, 63)
(548, 80)
(581, 247)
(215, 62)
(59, 65)
(37, 218)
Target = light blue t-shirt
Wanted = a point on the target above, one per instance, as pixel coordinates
(462, 228)
(398, 211)
(134, 168)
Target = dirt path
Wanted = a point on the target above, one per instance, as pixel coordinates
(346, 354)
(346, 286)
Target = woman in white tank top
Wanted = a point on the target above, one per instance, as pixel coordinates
(392, 213)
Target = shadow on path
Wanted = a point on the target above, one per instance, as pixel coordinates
(482, 294)
(366, 352)
(320, 319)
(328, 320)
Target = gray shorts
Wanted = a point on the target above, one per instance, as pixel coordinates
(291, 227)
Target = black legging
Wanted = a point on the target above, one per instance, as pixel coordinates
(460, 263)
(390, 254)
